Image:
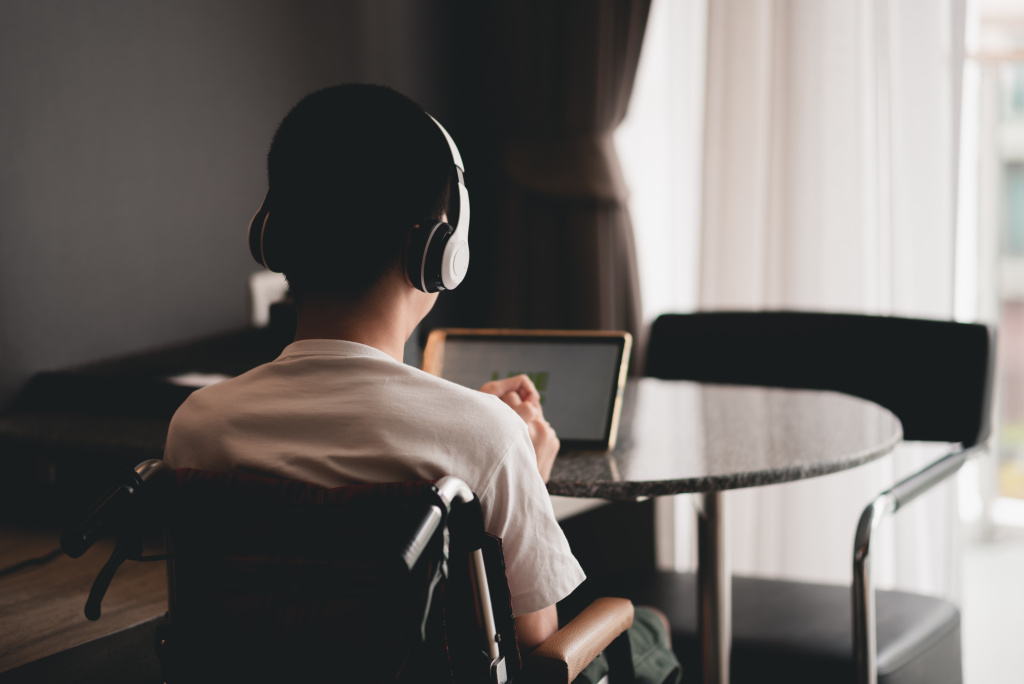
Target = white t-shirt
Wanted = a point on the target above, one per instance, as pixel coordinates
(332, 412)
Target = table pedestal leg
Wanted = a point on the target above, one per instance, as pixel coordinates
(714, 586)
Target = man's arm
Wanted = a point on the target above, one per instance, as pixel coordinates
(521, 395)
(533, 629)
(519, 392)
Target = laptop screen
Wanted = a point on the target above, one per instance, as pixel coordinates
(578, 377)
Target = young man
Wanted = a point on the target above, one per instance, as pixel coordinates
(358, 174)
(361, 182)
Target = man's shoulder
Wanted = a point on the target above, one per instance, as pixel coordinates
(476, 410)
(221, 390)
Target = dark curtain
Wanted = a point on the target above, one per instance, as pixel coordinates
(558, 79)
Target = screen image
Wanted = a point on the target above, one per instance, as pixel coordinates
(577, 380)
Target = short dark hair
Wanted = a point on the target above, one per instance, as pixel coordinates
(352, 168)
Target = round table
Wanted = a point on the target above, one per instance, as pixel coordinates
(677, 437)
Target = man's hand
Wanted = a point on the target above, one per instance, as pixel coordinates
(520, 394)
(520, 384)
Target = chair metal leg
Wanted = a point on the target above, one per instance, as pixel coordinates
(865, 644)
(714, 583)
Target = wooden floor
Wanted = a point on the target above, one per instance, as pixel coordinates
(42, 608)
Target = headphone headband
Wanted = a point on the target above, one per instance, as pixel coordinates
(461, 193)
(456, 157)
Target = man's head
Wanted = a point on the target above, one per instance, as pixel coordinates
(352, 169)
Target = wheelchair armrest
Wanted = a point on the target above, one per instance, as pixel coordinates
(564, 655)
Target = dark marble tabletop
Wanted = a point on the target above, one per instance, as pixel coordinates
(678, 437)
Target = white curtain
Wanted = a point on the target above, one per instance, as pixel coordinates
(828, 182)
(659, 146)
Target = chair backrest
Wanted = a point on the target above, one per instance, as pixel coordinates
(936, 376)
(277, 580)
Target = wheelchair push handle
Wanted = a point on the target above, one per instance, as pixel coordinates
(111, 508)
(452, 496)
(421, 537)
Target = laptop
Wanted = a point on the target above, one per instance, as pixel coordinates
(580, 375)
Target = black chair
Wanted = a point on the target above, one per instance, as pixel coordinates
(936, 377)
(277, 580)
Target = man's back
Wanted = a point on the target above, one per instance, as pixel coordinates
(334, 412)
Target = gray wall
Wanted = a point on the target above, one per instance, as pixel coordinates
(133, 136)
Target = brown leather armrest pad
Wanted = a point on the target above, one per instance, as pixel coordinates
(563, 656)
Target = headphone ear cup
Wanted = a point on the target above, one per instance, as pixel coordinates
(271, 246)
(414, 256)
(260, 240)
(426, 254)
(265, 246)
(260, 244)
(256, 237)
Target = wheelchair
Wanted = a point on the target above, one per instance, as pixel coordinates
(274, 580)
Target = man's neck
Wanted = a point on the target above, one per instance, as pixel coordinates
(381, 319)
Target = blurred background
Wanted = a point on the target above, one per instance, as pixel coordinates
(625, 159)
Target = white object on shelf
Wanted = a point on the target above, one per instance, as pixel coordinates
(197, 379)
(265, 288)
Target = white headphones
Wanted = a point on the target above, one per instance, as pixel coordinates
(438, 256)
